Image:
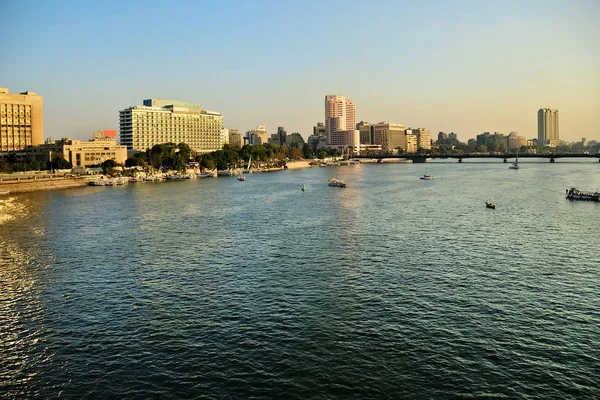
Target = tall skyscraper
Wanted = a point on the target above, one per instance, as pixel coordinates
(340, 115)
(281, 135)
(548, 127)
(21, 120)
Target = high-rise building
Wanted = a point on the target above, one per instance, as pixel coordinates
(281, 134)
(340, 115)
(548, 127)
(21, 120)
(364, 129)
(340, 123)
(224, 136)
(442, 136)
(389, 136)
(235, 138)
(258, 135)
(170, 121)
(419, 138)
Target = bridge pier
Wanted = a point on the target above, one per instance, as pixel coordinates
(505, 160)
(460, 159)
(552, 160)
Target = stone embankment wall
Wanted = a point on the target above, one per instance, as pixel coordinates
(31, 185)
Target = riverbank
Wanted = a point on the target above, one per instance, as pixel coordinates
(298, 164)
(32, 185)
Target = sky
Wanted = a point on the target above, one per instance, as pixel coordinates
(454, 66)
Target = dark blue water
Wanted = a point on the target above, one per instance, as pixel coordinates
(394, 287)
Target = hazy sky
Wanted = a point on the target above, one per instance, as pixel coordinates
(462, 66)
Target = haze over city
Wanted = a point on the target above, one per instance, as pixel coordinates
(466, 66)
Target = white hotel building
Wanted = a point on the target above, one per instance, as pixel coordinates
(170, 121)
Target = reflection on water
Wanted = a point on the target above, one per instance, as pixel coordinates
(392, 287)
(21, 310)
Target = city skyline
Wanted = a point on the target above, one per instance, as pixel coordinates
(463, 67)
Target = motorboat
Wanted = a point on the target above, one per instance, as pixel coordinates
(490, 205)
(575, 194)
(337, 183)
(427, 177)
(304, 188)
(241, 178)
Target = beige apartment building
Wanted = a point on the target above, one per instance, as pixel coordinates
(85, 154)
(170, 121)
(421, 138)
(548, 127)
(390, 136)
(21, 120)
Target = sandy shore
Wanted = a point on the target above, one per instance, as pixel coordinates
(298, 164)
(40, 184)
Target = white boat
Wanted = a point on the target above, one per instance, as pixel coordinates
(515, 164)
(208, 175)
(337, 183)
(427, 177)
(241, 178)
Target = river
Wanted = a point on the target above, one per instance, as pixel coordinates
(393, 287)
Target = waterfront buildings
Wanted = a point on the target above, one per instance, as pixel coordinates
(442, 136)
(82, 153)
(515, 142)
(235, 138)
(340, 122)
(281, 135)
(224, 136)
(170, 121)
(492, 141)
(391, 137)
(364, 131)
(21, 120)
(417, 138)
(258, 135)
(548, 127)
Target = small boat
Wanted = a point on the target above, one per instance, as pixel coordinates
(304, 188)
(337, 183)
(490, 205)
(427, 177)
(515, 164)
(575, 194)
(241, 178)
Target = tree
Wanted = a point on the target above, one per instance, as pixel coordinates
(108, 166)
(482, 148)
(61, 163)
(296, 153)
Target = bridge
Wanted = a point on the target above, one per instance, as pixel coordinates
(421, 158)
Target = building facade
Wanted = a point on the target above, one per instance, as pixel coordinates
(391, 137)
(170, 121)
(548, 127)
(364, 129)
(85, 154)
(281, 135)
(235, 138)
(515, 142)
(258, 135)
(340, 116)
(421, 138)
(21, 120)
